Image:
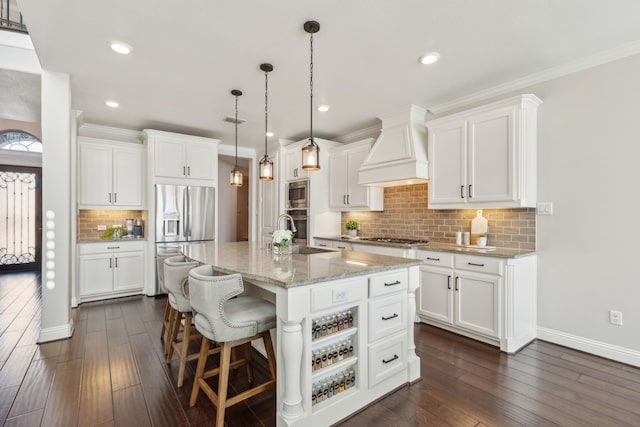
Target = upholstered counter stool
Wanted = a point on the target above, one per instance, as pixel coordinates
(176, 280)
(161, 255)
(230, 322)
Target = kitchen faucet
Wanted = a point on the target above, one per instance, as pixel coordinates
(286, 216)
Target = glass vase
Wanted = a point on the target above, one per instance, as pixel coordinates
(282, 248)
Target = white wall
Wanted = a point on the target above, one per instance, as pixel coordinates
(588, 153)
(227, 201)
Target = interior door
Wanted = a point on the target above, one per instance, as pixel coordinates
(20, 218)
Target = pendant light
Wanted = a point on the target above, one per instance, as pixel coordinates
(266, 164)
(311, 151)
(236, 175)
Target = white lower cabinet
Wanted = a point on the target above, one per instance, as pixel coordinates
(490, 299)
(110, 269)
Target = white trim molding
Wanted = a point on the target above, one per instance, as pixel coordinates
(599, 348)
(56, 333)
(623, 51)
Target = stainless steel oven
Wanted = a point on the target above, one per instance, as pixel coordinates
(301, 221)
(298, 194)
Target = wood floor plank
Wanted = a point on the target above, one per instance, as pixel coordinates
(7, 396)
(31, 334)
(61, 408)
(35, 387)
(96, 406)
(30, 419)
(96, 319)
(8, 342)
(116, 331)
(16, 366)
(124, 372)
(130, 408)
(74, 348)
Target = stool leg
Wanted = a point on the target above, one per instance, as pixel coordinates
(271, 357)
(183, 350)
(223, 383)
(175, 328)
(165, 319)
(202, 361)
(247, 359)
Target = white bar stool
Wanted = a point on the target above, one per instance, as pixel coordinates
(230, 322)
(162, 254)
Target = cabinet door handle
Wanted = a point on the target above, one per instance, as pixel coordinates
(184, 170)
(110, 263)
(433, 259)
(449, 282)
(322, 244)
(348, 199)
(341, 247)
(115, 197)
(470, 193)
(462, 191)
(189, 170)
(475, 265)
(109, 197)
(116, 262)
(113, 247)
(397, 282)
(457, 283)
(390, 317)
(344, 199)
(395, 357)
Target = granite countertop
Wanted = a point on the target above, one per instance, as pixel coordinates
(255, 262)
(440, 247)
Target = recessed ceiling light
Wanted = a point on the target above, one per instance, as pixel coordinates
(269, 134)
(429, 58)
(120, 47)
(323, 108)
(111, 104)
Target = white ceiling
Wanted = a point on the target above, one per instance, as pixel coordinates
(189, 55)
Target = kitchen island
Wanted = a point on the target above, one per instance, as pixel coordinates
(355, 307)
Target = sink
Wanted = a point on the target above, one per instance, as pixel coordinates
(309, 250)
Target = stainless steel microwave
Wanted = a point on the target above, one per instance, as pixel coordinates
(298, 194)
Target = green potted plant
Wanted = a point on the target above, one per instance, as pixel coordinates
(352, 226)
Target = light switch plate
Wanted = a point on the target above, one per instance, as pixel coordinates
(101, 227)
(544, 208)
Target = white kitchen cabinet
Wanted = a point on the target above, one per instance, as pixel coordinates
(110, 269)
(343, 245)
(293, 162)
(345, 193)
(110, 174)
(183, 156)
(486, 298)
(380, 250)
(484, 157)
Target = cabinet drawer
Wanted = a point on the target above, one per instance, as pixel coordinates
(111, 246)
(387, 358)
(388, 283)
(479, 264)
(440, 259)
(387, 316)
(343, 293)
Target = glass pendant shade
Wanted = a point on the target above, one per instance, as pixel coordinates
(235, 178)
(266, 169)
(311, 156)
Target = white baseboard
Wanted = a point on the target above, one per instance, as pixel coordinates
(613, 352)
(56, 333)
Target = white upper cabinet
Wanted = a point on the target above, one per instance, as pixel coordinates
(484, 157)
(293, 162)
(110, 174)
(183, 156)
(345, 193)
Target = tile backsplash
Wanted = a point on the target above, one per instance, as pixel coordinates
(89, 219)
(407, 215)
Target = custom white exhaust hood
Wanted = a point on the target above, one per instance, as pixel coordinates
(399, 155)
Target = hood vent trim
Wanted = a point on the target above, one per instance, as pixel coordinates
(399, 155)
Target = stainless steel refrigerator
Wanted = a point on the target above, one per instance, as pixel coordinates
(184, 214)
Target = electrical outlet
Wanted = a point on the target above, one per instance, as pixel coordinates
(101, 228)
(615, 317)
(544, 208)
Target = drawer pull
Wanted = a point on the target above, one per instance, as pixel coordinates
(449, 282)
(476, 265)
(322, 244)
(390, 317)
(113, 247)
(397, 282)
(457, 283)
(395, 357)
(433, 259)
(341, 247)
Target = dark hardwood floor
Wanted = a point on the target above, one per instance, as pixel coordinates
(111, 373)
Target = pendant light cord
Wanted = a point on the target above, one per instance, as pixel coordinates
(236, 131)
(311, 92)
(266, 100)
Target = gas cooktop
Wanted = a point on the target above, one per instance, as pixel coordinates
(395, 240)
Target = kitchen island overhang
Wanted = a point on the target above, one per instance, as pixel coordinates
(377, 291)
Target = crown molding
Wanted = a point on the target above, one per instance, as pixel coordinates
(372, 131)
(106, 132)
(623, 51)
